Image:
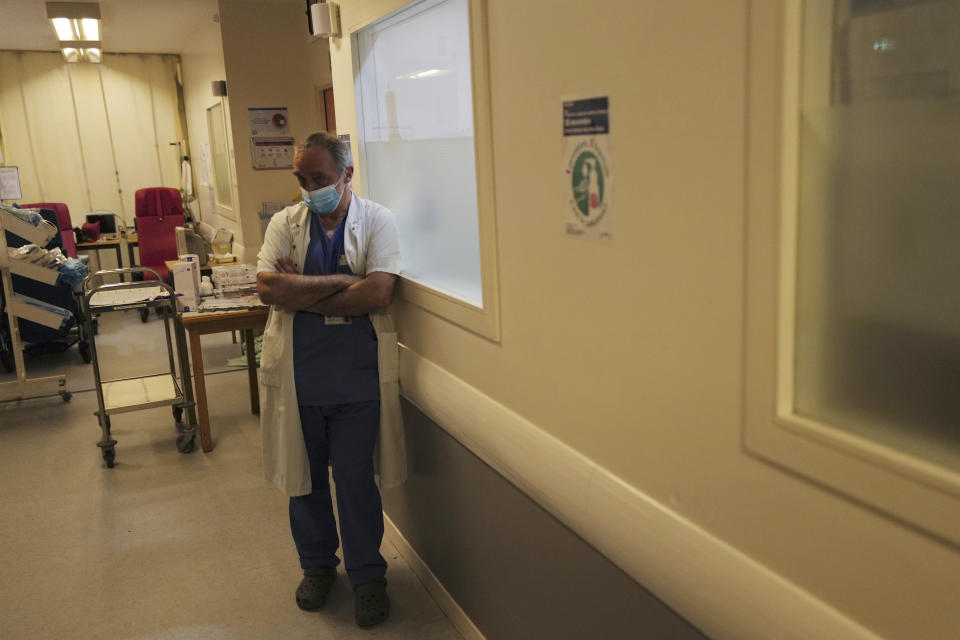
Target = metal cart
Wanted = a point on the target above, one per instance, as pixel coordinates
(133, 394)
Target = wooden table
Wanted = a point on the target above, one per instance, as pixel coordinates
(199, 324)
(131, 240)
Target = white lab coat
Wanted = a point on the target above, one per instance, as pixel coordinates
(370, 244)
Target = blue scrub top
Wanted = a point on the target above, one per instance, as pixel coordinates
(332, 364)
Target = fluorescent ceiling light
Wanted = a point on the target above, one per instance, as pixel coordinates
(77, 25)
(72, 30)
(426, 73)
(64, 29)
(89, 29)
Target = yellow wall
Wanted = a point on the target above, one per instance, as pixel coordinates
(632, 351)
(202, 64)
(271, 61)
(90, 135)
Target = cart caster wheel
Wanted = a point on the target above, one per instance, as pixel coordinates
(108, 456)
(177, 413)
(144, 315)
(84, 348)
(66, 395)
(185, 443)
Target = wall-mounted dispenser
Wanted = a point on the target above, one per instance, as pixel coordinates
(324, 20)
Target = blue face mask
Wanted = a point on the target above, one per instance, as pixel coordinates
(323, 200)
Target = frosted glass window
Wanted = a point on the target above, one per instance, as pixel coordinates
(415, 115)
(878, 284)
(218, 154)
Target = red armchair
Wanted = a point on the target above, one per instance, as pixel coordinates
(159, 211)
(63, 221)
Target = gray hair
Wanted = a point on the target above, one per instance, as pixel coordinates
(339, 151)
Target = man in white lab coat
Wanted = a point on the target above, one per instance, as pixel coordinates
(329, 380)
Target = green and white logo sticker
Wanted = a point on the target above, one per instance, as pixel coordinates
(588, 171)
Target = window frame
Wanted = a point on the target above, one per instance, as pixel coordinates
(227, 155)
(485, 320)
(920, 493)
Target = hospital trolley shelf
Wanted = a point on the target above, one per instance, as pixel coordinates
(46, 275)
(172, 389)
(20, 306)
(121, 396)
(39, 235)
(31, 309)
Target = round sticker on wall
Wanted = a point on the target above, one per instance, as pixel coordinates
(588, 171)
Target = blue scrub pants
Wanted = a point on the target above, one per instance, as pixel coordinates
(342, 435)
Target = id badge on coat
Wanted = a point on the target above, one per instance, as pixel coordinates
(333, 320)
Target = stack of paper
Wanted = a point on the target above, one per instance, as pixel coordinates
(228, 304)
(126, 296)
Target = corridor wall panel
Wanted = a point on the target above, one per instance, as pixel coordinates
(137, 111)
(14, 127)
(509, 564)
(97, 155)
(202, 64)
(51, 125)
(281, 74)
(90, 135)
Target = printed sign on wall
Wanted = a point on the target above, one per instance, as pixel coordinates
(272, 153)
(587, 175)
(10, 183)
(268, 121)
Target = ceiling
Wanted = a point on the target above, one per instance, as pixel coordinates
(129, 26)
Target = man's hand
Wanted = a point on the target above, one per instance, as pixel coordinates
(285, 264)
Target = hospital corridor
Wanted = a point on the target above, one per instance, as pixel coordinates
(480, 320)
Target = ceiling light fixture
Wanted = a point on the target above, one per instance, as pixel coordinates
(77, 25)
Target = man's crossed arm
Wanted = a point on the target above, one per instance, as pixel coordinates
(336, 295)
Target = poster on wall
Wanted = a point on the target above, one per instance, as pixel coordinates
(268, 122)
(272, 153)
(10, 183)
(204, 171)
(587, 168)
